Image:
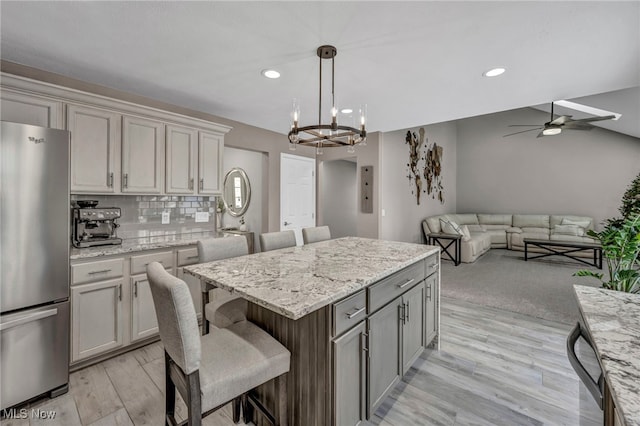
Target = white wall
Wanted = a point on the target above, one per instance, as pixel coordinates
(576, 172)
(339, 193)
(402, 214)
(368, 155)
(252, 163)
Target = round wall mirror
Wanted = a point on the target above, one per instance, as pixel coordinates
(237, 192)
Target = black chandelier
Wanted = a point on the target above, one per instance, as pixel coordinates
(327, 135)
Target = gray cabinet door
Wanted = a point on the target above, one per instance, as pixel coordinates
(413, 326)
(349, 373)
(384, 350)
(431, 311)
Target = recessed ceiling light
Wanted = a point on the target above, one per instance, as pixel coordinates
(271, 73)
(494, 72)
(346, 110)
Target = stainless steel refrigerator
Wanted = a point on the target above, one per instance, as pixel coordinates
(34, 252)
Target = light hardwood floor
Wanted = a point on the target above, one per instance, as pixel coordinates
(494, 368)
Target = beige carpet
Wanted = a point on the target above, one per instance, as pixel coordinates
(540, 288)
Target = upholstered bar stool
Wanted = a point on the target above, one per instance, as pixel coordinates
(315, 234)
(219, 307)
(212, 370)
(277, 240)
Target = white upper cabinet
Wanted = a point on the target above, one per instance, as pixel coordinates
(182, 144)
(210, 152)
(95, 149)
(29, 109)
(142, 155)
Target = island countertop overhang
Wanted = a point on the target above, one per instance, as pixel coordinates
(613, 321)
(296, 281)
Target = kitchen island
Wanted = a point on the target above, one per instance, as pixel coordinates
(613, 321)
(354, 312)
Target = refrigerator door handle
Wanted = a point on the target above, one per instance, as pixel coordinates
(28, 318)
(596, 389)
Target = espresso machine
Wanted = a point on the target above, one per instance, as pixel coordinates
(94, 226)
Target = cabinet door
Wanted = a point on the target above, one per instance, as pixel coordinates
(143, 313)
(181, 160)
(33, 110)
(383, 368)
(96, 318)
(95, 149)
(431, 308)
(413, 326)
(194, 287)
(142, 155)
(349, 372)
(210, 147)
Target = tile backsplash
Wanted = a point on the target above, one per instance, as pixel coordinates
(143, 211)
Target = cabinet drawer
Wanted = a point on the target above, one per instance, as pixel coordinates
(393, 286)
(349, 312)
(187, 256)
(139, 263)
(431, 264)
(96, 271)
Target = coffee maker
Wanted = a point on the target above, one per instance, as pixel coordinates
(94, 226)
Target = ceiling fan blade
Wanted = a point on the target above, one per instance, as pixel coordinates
(524, 131)
(578, 125)
(561, 120)
(521, 125)
(541, 134)
(589, 120)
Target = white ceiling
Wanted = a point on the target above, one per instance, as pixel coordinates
(412, 63)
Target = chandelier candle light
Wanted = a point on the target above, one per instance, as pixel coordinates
(327, 135)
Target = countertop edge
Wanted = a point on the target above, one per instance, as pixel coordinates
(605, 364)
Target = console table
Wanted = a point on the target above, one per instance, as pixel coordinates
(354, 312)
(564, 248)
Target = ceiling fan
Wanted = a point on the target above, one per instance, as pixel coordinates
(563, 122)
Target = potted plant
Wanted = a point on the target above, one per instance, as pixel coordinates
(620, 240)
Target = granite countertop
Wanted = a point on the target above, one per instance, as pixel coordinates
(298, 280)
(149, 242)
(613, 320)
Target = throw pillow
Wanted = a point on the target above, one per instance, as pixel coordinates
(573, 230)
(466, 235)
(581, 223)
(450, 227)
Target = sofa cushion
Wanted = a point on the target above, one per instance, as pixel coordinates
(581, 239)
(574, 230)
(476, 228)
(565, 219)
(475, 247)
(466, 235)
(464, 219)
(495, 219)
(531, 220)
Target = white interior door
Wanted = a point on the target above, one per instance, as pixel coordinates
(297, 193)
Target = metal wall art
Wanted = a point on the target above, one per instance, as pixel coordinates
(424, 162)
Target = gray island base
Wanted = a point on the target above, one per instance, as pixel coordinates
(354, 312)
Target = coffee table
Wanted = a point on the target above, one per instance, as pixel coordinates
(564, 248)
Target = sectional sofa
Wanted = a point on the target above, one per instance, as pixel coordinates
(480, 232)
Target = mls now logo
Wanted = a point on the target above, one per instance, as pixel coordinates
(23, 413)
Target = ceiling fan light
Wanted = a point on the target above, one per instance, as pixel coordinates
(551, 131)
(494, 72)
(271, 74)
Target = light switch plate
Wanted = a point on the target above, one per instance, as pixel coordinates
(166, 218)
(202, 216)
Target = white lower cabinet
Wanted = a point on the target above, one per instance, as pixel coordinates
(143, 313)
(112, 304)
(97, 321)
